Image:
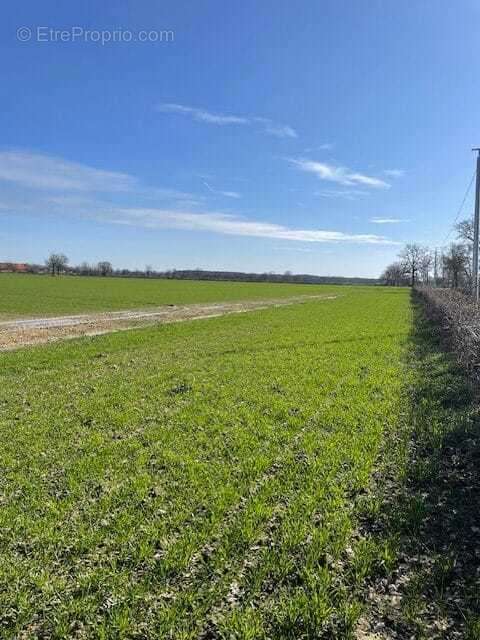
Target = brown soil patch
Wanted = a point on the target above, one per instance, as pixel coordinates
(24, 332)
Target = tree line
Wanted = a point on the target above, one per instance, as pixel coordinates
(449, 267)
(58, 263)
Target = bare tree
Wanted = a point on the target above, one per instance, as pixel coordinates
(56, 263)
(426, 262)
(464, 230)
(104, 268)
(456, 263)
(466, 234)
(86, 269)
(411, 257)
(395, 275)
(148, 270)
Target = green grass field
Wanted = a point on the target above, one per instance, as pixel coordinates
(197, 480)
(23, 295)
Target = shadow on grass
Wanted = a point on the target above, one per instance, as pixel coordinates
(433, 512)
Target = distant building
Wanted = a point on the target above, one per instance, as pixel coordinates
(13, 267)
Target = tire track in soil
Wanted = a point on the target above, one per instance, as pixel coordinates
(15, 334)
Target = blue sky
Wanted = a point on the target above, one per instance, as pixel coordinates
(315, 136)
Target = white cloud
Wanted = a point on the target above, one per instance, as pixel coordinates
(281, 130)
(201, 115)
(340, 175)
(59, 188)
(326, 146)
(39, 171)
(284, 247)
(386, 220)
(227, 194)
(346, 194)
(234, 225)
(166, 193)
(60, 178)
(230, 194)
(278, 130)
(394, 173)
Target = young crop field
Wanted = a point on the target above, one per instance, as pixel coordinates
(24, 295)
(198, 480)
(290, 472)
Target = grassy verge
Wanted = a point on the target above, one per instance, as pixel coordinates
(197, 480)
(421, 516)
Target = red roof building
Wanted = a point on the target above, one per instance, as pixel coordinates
(13, 267)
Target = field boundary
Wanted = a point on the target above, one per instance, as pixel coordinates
(423, 505)
(15, 334)
(456, 318)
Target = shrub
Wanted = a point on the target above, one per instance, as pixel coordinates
(457, 317)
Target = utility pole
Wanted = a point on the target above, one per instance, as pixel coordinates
(435, 271)
(476, 224)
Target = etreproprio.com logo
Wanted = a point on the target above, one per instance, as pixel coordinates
(75, 34)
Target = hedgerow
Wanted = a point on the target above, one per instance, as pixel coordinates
(457, 318)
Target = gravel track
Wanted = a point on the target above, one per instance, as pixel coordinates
(19, 333)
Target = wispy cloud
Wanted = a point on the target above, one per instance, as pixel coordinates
(56, 187)
(340, 175)
(39, 171)
(164, 193)
(228, 224)
(386, 220)
(281, 130)
(345, 194)
(227, 194)
(326, 146)
(278, 130)
(394, 173)
(286, 247)
(60, 178)
(201, 115)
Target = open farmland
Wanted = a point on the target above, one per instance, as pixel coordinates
(199, 479)
(28, 295)
(299, 471)
(239, 321)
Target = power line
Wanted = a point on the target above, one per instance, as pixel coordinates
(460, 207)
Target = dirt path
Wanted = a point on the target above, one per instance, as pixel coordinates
(24, 332)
